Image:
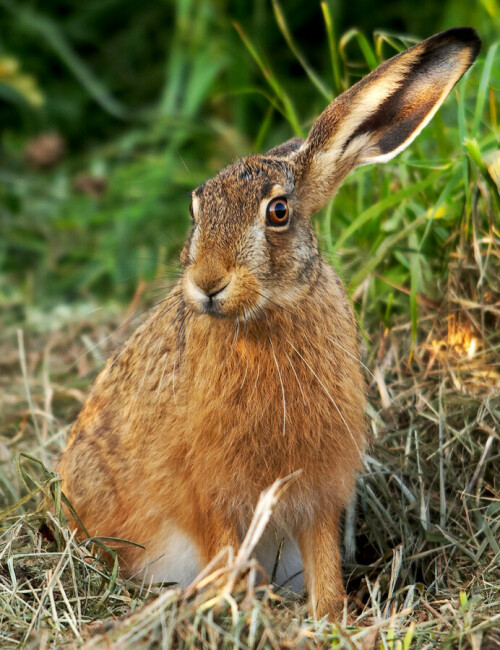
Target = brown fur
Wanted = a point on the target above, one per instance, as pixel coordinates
(213, 399)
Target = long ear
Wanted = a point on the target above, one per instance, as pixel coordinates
(380, 115)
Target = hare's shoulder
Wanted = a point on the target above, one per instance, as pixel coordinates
(136, 369)
(157, 340)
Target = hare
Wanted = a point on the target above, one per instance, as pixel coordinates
(249, 371)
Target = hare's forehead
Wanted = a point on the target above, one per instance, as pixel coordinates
(242, 187)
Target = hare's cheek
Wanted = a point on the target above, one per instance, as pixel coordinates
(252, 249)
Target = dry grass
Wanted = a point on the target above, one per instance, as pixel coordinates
(426, 526)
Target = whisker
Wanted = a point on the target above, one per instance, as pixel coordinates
(160, 383)
(157, 260)
(271, 301)
(236, 333)
(150, 293)
(170, 295)
(248, 356)
(181, 317)
(257, 266)
(256, 383)
(173, 382)
(182, 328)
(281, 382)
(136, 396)
(352, 355)
(329, 397)
(297, 316)
(246, 325)
(296, 377)
(101, 342)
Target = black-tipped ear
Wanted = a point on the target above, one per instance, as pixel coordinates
(381, 115)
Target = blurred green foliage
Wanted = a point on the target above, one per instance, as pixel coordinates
(146, 100)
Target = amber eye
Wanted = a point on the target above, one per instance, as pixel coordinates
(277, 212)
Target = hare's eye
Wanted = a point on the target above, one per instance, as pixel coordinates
(277, 212)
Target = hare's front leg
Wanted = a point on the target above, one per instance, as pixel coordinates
(319, 546)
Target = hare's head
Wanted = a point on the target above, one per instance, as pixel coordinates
(252, 245)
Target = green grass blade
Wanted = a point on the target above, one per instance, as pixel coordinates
(375, 210)
(264, 129)
(482, 92)
(414, 286)
(284, 29)
(43, 26)
(327, 226)
(172, 89)
(451, 184)
(472, 147)
(288, 108)
(462, 129)
(332, 47)
(379, 254)
(363, 44)
(203, 75)
(396, 42)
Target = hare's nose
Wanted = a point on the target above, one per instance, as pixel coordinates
(211, 287)
(215, 293)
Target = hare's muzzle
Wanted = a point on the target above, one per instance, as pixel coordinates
(232, 293)
(205, 293)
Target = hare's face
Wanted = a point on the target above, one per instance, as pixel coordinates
(250, 248)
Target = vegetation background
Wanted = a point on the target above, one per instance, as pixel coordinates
(111, 112)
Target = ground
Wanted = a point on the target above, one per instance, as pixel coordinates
(425, 527)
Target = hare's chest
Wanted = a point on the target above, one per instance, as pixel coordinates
(264, 394)
(270, 410)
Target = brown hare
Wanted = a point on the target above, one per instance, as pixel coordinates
(249, 370)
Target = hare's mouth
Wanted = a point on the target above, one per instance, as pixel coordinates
(213, 303)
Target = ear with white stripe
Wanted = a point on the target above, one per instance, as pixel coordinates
(380, 115)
